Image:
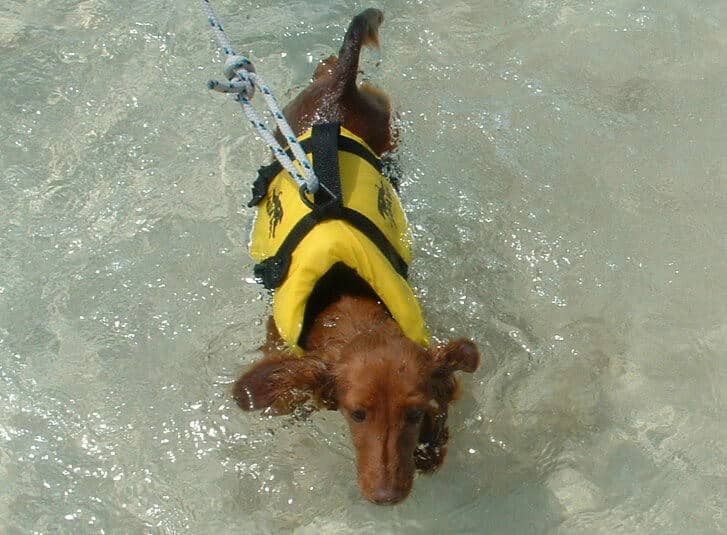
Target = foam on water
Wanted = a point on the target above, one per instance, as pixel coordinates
(564, 171)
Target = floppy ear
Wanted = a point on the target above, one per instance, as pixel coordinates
(281, 383)
(459, 355)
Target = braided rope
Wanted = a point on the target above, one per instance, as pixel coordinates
(242, 82)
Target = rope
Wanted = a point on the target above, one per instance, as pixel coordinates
(242, 83)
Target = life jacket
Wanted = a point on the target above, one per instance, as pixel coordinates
(297, 238)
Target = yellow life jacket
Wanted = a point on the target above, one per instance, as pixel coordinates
(296, 240)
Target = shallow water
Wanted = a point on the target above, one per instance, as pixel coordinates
(564, 169)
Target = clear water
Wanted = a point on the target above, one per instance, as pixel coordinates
(565, 171)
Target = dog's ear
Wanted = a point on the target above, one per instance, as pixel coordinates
(283, 382)
(459, 355)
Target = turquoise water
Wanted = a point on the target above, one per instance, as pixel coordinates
(564, 170)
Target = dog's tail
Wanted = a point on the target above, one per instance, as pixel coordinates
(363, 31)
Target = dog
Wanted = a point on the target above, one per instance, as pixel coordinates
(347, 332)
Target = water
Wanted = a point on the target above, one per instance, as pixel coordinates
(564, 170)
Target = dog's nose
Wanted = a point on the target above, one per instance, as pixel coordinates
(388, 496)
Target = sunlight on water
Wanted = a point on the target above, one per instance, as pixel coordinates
(564, 171)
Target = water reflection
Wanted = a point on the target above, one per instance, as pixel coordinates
(562, 172)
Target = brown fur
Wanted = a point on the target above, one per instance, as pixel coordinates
(393, 393)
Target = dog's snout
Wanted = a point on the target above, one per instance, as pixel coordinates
(388, 496)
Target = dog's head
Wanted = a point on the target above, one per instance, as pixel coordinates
(393, 393)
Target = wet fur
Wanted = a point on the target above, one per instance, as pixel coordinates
(357, 359)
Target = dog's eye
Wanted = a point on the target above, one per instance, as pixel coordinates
(414, 416)
(359, 415)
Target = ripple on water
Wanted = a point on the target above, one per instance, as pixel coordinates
(562, 175)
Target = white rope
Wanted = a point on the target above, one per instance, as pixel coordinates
(242, 83)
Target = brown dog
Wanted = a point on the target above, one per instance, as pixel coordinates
(393, 392)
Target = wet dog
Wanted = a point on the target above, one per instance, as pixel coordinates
(353, 351)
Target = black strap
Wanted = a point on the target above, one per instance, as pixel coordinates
(273, 270)
(265, 176)
(369, 229)
(329, 197)
(346, 144)
(266, 173)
